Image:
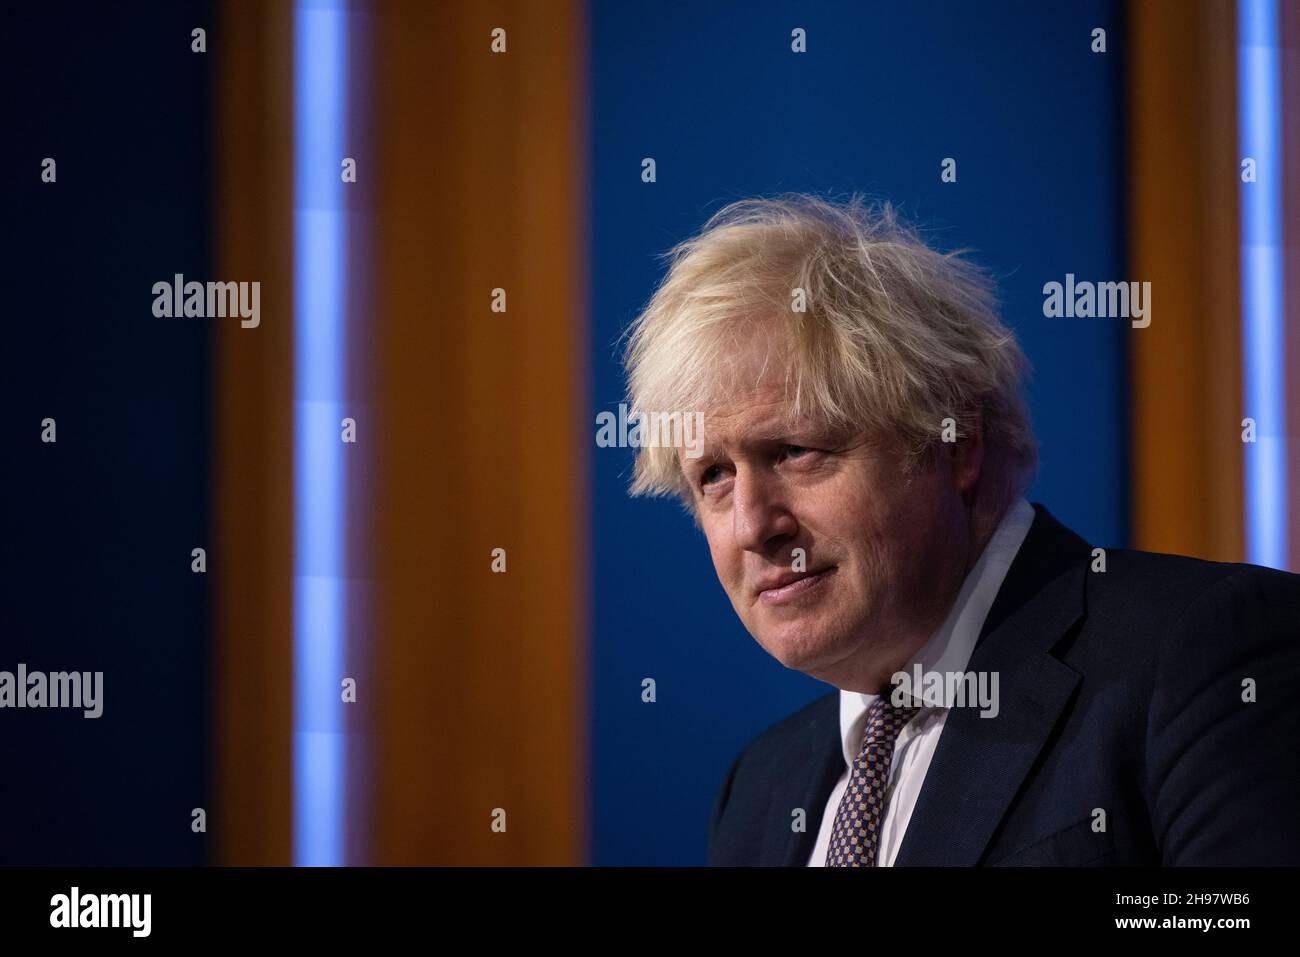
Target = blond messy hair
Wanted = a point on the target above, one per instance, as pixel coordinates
(895, 336)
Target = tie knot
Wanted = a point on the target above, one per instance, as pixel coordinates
(884, 721)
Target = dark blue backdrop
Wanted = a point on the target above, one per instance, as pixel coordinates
(1013, 92)
(98, 527)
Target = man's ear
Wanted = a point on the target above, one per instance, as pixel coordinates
(966, 455)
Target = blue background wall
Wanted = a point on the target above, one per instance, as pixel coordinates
(98, 527)
(1013, 92)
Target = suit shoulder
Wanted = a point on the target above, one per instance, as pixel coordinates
(794, 732)
(1170, 583)
(783, 749)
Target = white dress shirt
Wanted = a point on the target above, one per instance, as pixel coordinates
(948, 650)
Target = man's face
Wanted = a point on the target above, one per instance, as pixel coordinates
(885, 550)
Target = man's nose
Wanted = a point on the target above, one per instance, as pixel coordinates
(759, 511)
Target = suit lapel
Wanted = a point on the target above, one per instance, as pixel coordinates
(786, 847)
(980, 763)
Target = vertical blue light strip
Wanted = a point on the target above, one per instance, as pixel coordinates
(320, 32)
(1262, 299)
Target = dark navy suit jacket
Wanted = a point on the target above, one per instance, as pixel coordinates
(1120, 690)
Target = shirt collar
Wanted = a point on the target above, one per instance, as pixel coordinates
(950, 647)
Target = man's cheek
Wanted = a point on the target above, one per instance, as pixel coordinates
(723, 569)
(731, 579)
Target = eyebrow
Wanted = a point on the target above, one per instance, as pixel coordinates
(763, 436)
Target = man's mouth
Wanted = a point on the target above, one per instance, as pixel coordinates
(788, 586)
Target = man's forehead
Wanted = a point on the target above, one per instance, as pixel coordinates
(758, 409)
(765, 405)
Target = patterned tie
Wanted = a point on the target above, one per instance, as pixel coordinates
(856, 834)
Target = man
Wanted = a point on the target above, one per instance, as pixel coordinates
(1007, 693)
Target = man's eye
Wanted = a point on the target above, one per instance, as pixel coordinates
(711, 474)
(796, 451)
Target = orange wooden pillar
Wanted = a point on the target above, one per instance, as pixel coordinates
(1185, 367)
(252, 563)
(480, 703)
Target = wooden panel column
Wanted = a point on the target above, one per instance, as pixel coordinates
(483, 433)
(1186, 366)
(252, 563)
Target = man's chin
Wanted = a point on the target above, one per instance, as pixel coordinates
(806, 652)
